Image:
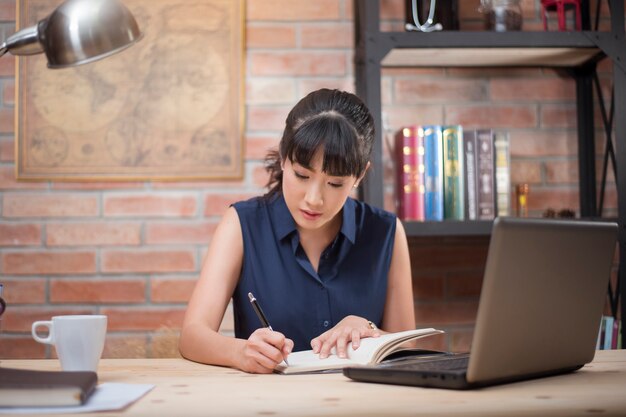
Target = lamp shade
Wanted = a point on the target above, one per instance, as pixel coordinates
(77, 32)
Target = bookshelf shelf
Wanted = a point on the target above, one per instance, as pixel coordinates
(577, 52)
(449, 228)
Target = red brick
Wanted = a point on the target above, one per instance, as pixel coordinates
(171, 290)
(21, 347)
(49, 205)
(292, 10)
(446, 313)
(7, 152)
(428, 286)
(143, 319)
(109, 233)
(8, 95)
(400, 116)
(125, 346)
(339, 35)
(532, 89)
(526, 172)
(260, 176)
(270, 36)
(195, 185)
(20, 234)
(291, 64)
(502, 116)
(437, 254)
(7, 66)
(7, 10)
(558, 116)
(24, 291)
(307, 85)
(96, 186)
(92, 291)
(391, 9)
(216, 204)
(267, 118)
(530, 143)
(178, 232)
(464, 284)
(183, 205)
(6, 118)
(270, 91)
(258, 147)
(8, 181)
(562, 172)
(559, 198)
(48, 263)
(138, 261)
(413, 91)
(19, 319)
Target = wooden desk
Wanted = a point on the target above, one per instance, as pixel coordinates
(185, 388)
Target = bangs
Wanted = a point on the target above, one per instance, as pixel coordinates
(336, 136)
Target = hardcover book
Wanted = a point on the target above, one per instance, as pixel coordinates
(503, 175)
(433, 173)
(372, 350)
(410, 182)
(471, 176)
(485, 174)
(453, 173)
(28, 388)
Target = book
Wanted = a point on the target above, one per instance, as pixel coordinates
(28, 388)
(503, 173)
(471, 175)
(410, 179)
(453, 173)
(433, 173)
(485, 174)
(608, 332)
(372, 350)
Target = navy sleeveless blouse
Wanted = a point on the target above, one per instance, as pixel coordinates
(299, 302)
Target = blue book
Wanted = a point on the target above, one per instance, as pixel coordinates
(433, 173)
(608, 332)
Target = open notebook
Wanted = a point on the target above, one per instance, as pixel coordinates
(542, 298)
(372, 350)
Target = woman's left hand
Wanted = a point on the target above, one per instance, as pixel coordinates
(350, 329)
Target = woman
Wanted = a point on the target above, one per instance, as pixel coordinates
(328, 270)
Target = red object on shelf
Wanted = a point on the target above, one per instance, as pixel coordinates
(560, 7)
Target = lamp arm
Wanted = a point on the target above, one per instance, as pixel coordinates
(24, 42)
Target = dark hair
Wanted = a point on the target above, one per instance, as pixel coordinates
(336, 120)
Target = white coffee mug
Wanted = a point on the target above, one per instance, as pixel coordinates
(78, 339)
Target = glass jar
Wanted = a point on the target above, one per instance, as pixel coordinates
(502, 15)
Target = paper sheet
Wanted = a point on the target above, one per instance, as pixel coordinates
(108, 396)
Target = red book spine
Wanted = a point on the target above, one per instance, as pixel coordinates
(410, 183)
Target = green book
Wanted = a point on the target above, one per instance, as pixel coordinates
(453, 173)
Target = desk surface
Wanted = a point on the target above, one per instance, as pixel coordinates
(187, 388)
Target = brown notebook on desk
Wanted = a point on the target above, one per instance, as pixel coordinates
(27, 388)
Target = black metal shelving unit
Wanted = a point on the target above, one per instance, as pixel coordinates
(576, 52)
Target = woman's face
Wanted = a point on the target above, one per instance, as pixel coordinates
(313, 197)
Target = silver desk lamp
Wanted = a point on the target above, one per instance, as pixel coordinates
(77, 32)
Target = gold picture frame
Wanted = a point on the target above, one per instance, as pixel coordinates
(168, 108)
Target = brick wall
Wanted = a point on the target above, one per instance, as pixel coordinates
(133, 250)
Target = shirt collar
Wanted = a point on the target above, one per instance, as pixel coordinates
(285, 224)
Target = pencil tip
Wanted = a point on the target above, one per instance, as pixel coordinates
(250, 296)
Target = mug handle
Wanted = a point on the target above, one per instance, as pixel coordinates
(47, 340)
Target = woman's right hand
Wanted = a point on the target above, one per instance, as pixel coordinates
(263, 350)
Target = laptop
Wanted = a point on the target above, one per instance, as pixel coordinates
(540, 308)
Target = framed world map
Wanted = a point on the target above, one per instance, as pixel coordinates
(169, 107)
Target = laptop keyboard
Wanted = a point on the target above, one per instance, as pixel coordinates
(449, 363)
